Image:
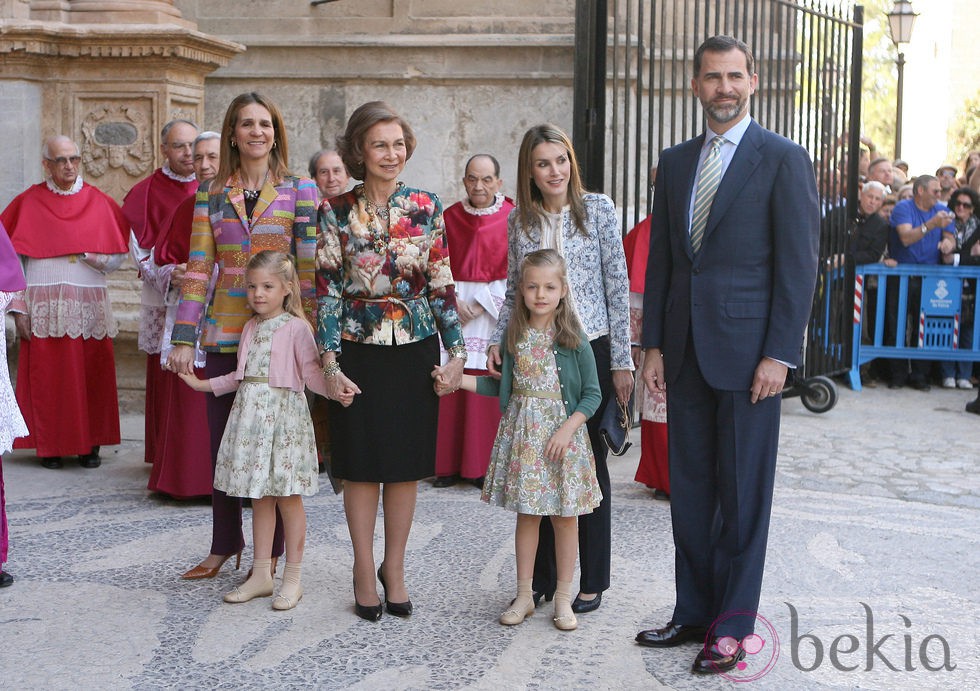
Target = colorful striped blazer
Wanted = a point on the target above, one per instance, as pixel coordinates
(284, 219)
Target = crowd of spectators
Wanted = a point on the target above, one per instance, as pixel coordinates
(903, 218)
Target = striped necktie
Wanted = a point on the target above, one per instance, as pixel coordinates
(708, 182)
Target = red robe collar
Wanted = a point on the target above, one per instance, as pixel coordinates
(477, 244)
(42, 224)
(150, 204)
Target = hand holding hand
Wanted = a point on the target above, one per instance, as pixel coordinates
(341, 389)
(192, 381)
(181, 359)
(448, 377)
(493, 361)
(177, 275)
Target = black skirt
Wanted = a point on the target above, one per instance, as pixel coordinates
(388, 434)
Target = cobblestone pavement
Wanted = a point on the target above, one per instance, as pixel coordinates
(870, 578)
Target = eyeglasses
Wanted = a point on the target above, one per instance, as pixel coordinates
(62, 160)
(947, 174)
(965, 205)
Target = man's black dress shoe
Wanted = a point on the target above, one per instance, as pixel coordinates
(580, 606)
(715, 661)
(974, 406)
(5, 579)
(919, 384)
(444, 481)
(91, 459)
(51, 462)
(671, 635)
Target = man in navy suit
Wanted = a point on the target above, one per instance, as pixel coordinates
(733, 263)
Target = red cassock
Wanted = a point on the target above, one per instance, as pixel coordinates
(182, 463)
(149, 207)
(66, 387)
(468, 422)
(653, 469)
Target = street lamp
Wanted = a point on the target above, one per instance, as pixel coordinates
(900, 22)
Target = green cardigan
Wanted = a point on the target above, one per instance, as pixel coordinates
(576, 373)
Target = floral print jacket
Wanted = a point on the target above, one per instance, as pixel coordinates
(384, 287)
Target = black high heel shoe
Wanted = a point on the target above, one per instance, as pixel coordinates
(399, 609)
(368, 612)
(548, 597)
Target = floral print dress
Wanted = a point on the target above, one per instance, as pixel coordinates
(268, 448)
(520, 477)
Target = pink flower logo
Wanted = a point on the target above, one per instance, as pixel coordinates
(761, 647)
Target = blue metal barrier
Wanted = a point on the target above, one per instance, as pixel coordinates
(940, 315)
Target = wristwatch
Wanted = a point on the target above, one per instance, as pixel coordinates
(924, 228)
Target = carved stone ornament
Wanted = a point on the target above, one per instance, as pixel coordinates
(116, 136)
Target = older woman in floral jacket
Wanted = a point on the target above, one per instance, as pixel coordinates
(384, 292)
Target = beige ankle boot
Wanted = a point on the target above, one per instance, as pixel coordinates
(259, 584)
(522, 607)
(564, 617)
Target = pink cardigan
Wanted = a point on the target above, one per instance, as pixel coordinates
(294, 363)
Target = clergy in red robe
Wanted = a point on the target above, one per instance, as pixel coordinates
(182, 462)
(476, 232)
(652, 470)
(149, 207)
(69, 235)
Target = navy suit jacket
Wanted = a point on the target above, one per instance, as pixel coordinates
(748, 292)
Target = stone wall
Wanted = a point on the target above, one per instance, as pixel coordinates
(469, 77)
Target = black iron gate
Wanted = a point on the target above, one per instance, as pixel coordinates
(808, 57)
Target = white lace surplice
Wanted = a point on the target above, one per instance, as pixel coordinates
(11, 421)
(67, 297)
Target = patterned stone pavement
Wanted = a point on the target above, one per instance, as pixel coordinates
(877, 502)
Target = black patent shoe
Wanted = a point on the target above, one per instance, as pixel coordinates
(444, 481)
(580, 606)
(399, 609)
(367, 612)
(714, 660)
(672, 634)
(5, 579)
(51, 462)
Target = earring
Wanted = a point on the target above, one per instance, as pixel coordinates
(274, 142)
(234, 144)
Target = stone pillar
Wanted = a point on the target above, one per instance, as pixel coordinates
(107, 74)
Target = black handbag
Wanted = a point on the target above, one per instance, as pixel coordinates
(617, 419)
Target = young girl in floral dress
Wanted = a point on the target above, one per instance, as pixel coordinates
(268, 451)
(542, 463)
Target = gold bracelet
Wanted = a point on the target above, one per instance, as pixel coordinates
(457, 351)
(331, 369)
